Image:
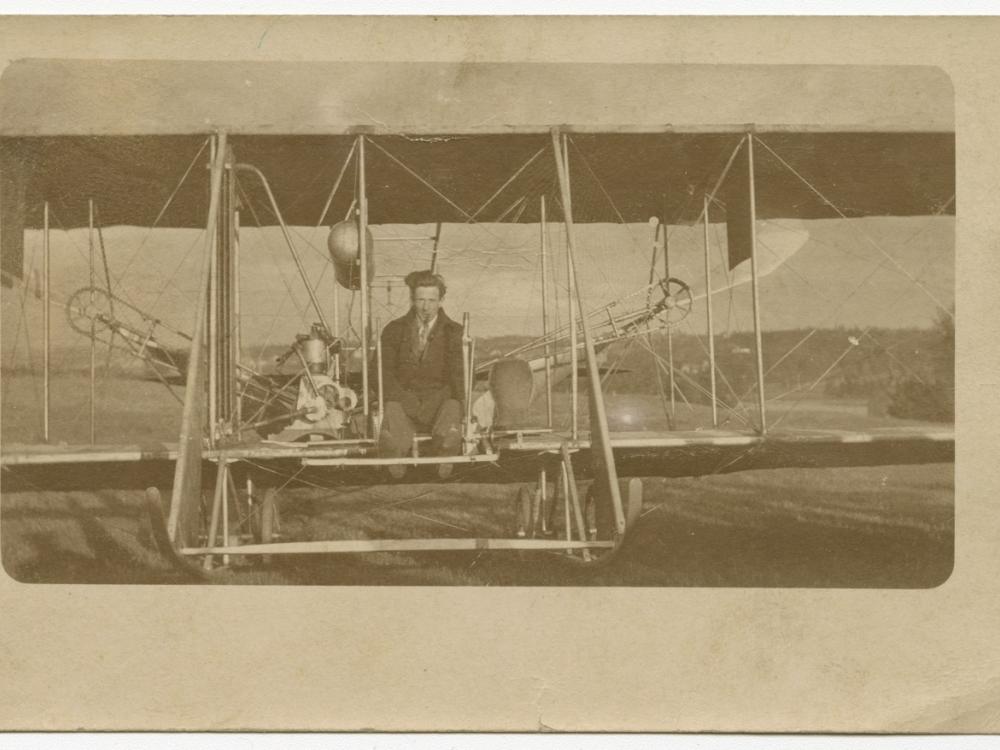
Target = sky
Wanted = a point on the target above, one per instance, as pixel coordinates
(878, 271)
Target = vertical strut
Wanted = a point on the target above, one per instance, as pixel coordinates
(46, 323)
(708, 305)
(602, 457)
(93, 328)
(545, 317)
(237, 324)
(182, 521)
(381, 386)
(756, 290)
(363, 257)
(670, 333)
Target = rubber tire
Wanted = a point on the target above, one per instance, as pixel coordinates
(631, 494)
(269, 520)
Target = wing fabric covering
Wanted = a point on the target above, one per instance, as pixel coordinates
(131, 177)
(182, 523)
(739, 219)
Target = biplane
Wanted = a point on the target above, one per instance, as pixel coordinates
(350, 149)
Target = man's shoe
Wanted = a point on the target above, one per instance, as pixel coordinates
(396, 471)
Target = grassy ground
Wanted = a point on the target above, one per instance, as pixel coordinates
(131, 410)
(860, 527)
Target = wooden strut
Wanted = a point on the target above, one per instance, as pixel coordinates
(46, 323)
(363, 258)
(670, 330)
(572, 496)
(467, 380)
(217, 510)
(708, 305)
(758, 344)
(545, 314)
(187, 472)
(574, 367)
(381, 382)
(598, 414)
(93, 328)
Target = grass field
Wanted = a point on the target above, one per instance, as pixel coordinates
(890, 526)
(859, 527)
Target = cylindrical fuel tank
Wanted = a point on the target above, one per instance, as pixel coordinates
(342, 243)
(315, 353)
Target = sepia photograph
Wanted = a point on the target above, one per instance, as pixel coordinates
(680, 341)
(528, 373)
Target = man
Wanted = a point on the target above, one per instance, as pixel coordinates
(422, 376)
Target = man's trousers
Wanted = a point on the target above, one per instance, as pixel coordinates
(401, 420)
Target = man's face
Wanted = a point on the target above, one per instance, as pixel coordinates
(426, 301)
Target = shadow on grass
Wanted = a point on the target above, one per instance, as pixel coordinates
(875, 527)
(103, 538)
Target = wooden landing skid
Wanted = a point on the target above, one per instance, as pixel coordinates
(476, 458)
(395, 545)
(588, 534)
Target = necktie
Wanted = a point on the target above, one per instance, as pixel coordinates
(424, 330)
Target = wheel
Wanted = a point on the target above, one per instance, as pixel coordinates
(523, 512)
(677, 301)
(158, 508)
(268, 517)
(599, 520)
(270, 520)
(89, 310)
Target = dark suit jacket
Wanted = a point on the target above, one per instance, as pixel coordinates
(438, 373)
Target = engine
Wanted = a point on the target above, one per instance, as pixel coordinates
(323, 405)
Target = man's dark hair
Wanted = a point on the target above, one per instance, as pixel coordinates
(425, 278)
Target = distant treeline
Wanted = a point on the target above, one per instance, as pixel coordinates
(903, 372)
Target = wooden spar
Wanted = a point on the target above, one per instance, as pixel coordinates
(363, 258)
(573, 494)
(571, 285)
(670, 334)
(93, 328)
(542, 522)
(472, 458)
(564, 483)
(756, 290)
(601, 454)
(378, 366)
(708, 305)
(223, 476)
(227, 296)
(217, 510)
(46, 323)
(574, 364)
(394, 545)
(467, 376)
(545, 316)
(213, 324)
(237, 325)
(187, 470)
